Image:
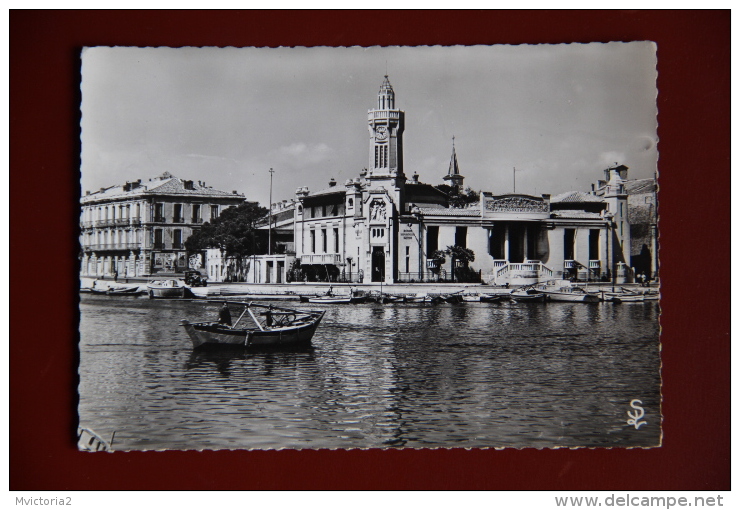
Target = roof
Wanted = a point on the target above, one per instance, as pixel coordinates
(640, 186)
(165, 184)
(575, 197)
(575, 214)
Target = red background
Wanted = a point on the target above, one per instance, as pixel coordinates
(694, 116)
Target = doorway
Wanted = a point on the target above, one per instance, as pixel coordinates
(378, 262)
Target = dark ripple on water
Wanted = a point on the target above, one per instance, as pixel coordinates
(468, 375)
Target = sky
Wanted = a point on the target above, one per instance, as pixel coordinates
(559, 114)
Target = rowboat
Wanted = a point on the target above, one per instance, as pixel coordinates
(529, 294)
(454, 298)
(278, 327)
(421, 297)
(570, 294)
(491, 298)
(166, 289)
(89, 441)
(331, 300)
(130, 289)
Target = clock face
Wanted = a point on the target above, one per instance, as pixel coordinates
(381, 132)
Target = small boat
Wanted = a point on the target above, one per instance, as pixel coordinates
(457, 297)
(471, 298)
(331, 300)
(529, 294)
(166, 289)
(421, 297)
(89, 441)
(492, 298)
(279, 327)
(570, 294)
(126, 289)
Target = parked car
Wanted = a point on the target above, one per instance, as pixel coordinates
(195, 279)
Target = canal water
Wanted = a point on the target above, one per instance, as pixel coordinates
(378, 376)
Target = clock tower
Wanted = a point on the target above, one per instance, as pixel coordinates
(385, 124)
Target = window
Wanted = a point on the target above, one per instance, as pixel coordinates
(336, 240)
(178, 217)
(432, 240)
(323, 240)
(196, 213)
(158, 244)
(158, 213)
(177, 243)
(313, 241)
(593, 244)
(350, 203)
(461, 236)
(214, 212)
(407, 259)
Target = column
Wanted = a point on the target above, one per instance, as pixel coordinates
(506, 241)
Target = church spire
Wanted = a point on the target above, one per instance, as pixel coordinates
(453, 173)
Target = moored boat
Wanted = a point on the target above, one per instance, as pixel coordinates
(279, 327)
(471, 298)
(419, 297)
(492, 298)
(89, 441)
(569, 294)
(166, 289)
(528, 294)
(330, 300)
(126, 289)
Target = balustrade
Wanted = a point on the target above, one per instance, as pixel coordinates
(321, 258)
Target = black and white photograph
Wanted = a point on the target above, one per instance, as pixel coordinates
(369, 247)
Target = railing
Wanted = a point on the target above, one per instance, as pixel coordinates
(158, 246)
(178, 220)
(321, 258)
(121, 221)
(111, 246)
(594, 264)
(570, 264)
(177, 246)
(159, 219)
(103, 223)
(197, 220)
(529, 269)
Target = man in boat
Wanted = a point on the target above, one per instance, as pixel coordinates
(224, 315)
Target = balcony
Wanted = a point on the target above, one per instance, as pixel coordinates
(197, 220)
(120, 221)
(322, 258)
(159, 219)
(103, 223)
(111, 246)
(178, 220)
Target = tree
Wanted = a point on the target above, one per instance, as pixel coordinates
(458, 197)
(464, 256)
(235, 233)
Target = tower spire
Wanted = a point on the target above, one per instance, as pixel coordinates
(453, 172)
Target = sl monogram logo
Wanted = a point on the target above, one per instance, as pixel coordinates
(638, 414)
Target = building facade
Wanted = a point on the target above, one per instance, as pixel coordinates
(139, 229)
(384, 227)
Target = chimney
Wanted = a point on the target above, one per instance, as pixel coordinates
(415, 178)
(234, 192)
(332, 182)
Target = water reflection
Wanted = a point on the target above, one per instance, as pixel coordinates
(469, 375)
